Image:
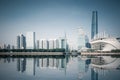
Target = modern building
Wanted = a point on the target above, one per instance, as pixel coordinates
(104, 42)
(18, 42)
(94, 26)
(41, 43)
(45, 44)
(21, 42)
(30, 40)
(81, 39)
(87, 43)
(62, 43)
(56, 44)
(51, 44)
(37, 47)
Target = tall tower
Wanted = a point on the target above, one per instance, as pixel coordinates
(30, 40)
(94, 26)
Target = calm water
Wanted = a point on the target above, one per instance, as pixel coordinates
(60, 68)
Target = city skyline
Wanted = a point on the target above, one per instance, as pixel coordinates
(50, 19)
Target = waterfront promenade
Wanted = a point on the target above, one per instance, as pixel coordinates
(99, 54)
(29, 53)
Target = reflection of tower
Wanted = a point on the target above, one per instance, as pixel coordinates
(18, 64)
(94, 75)
(94, 26)
(21, 64)
(38, 62)
(34, 66)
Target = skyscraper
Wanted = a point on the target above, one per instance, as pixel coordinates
(94, 26)
(81, 38)
(37, 47)
(18, 42)
(21, 42)
(30, 40)
(51, 44)
(62, 43)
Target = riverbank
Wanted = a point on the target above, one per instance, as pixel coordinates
(99, 54)
(29, 53)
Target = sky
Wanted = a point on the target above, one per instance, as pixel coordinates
(53, 18)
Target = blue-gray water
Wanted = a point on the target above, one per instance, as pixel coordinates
(60, 68)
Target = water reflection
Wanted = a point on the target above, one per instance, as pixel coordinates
(29, 65)
(106, 62)
(65, 67)
(83, 66)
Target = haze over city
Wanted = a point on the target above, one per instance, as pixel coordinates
(53, 18)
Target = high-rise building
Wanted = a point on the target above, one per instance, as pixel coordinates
(45, 44)
(94, 26)
(37, 45)
(62, 43)
(56, 44)
(18, 42)
(30, 40)
(21, 42)
(81, 38)
(51, 44)
(41, 44)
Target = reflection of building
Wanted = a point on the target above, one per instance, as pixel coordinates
(94, 74)
(21, 64)
(30, 40)
(94, 26)
(83, 66)
(30, 66)
(52, 63)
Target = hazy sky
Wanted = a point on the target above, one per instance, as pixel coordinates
(52, 18)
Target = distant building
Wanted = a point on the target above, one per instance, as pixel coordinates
(62, 43)
(8, 46)
(81, 39)
(13, 47)
(45, 44)
(18, 42)
(56, 44)
(21, 42)
(37, 47)
(41, 44)
(51, 44)
(30, 40)
(94, 26)
(4, 47)
(87, 43)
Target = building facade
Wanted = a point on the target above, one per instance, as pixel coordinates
(94, 26)
(30, 40)
(81, 39)
(21, 42)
